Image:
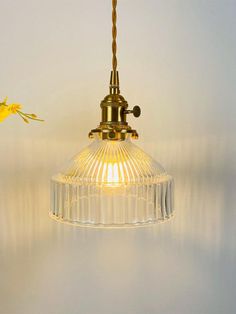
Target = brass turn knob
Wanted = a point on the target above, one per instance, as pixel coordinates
(136, 111)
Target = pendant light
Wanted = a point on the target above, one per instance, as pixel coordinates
(112, 182)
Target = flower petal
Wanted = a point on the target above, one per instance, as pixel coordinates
(4, 113)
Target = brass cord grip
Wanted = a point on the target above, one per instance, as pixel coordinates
(114, 106)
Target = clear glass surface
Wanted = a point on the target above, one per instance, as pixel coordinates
(112, 184)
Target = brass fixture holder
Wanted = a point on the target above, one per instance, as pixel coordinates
(114, 115)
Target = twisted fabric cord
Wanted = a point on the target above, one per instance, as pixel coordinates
(114, 35)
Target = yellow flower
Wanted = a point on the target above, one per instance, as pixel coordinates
(6, 110)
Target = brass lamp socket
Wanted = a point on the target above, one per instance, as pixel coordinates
(114, 108)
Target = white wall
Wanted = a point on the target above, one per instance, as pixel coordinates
(177, 60)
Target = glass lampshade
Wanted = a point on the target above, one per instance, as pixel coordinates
(113, 184)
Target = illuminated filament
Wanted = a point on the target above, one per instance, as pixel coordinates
(112, 174)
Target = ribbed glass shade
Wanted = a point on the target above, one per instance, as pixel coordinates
(113, 184)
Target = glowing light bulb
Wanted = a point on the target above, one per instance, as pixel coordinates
(113, 174)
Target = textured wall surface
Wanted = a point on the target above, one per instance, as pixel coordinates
(177, 60)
